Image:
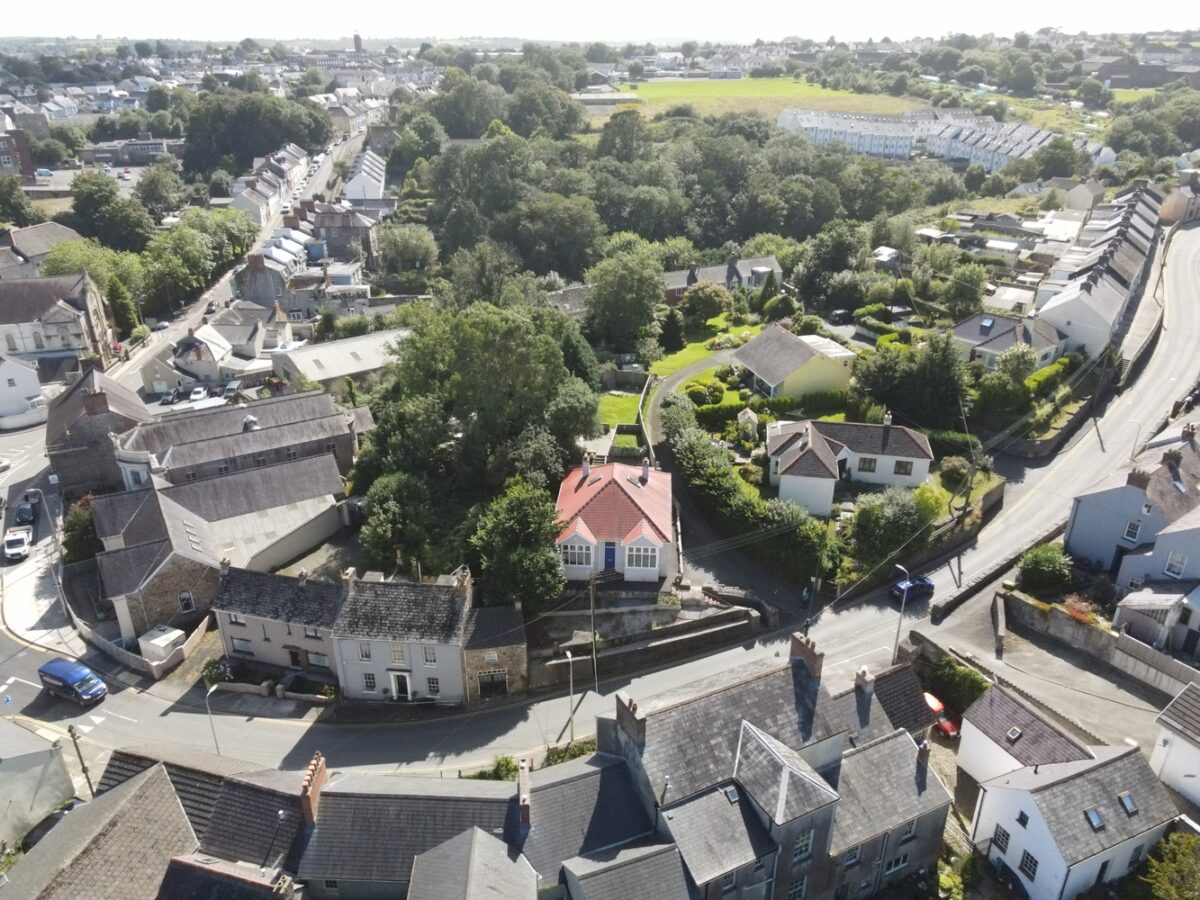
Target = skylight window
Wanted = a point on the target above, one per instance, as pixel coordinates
(1013, 734)
(1094, 819)
(1127, 803)
(988, 322)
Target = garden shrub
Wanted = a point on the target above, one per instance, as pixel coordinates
(1043, 382)
(946, 442)
(872, 311)
(1045, 569)
(956, 684)
(955, 471)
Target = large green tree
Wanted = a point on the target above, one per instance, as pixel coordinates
(15, 207)
(1173, 871)
(226, 124)
(625, 290)
(964, 290)
(515, 544)
(160, 189)
(124, 310)
(924, 384)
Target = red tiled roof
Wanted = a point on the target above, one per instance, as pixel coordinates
(612, 503)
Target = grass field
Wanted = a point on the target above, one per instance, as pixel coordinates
(1131, 95)
(767, 95)
(695, 350)
(618, 409)
(53, 205)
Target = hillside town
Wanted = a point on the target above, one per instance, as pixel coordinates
(483, 468)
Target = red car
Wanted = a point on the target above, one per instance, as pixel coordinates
(944, 723)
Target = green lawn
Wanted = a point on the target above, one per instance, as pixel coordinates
(1132, 95)
(617, 409)
(767, 95)
(695, 350)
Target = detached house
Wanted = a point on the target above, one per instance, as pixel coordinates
(736, 273)
(1142, 524)
(807, 459)
(791, 365)
(984, 336)
(616, 518)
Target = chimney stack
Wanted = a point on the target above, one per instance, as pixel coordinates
(1138, 478)
(225, 564)
(645, 479)
(864, 681)
(586, 468)
(523, 792)
(630, 721)
(95, 403)
(923, 753)
(805, 649)
(302, 578)
(315, 778)
(349, 575)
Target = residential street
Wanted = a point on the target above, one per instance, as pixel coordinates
(851, 634)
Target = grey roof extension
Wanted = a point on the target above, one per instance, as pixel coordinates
(643, 870)
(1182, 715)
(1039, 742)
(402, 610)
(717, 832)
(902, 697)
(473, 865)
(777, 778)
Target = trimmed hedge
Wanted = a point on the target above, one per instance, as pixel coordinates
(877, 311)
(713, 417)
(945, 442)
(1043, 382)
(874, 326)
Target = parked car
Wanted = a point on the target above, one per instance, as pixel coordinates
(919, 587)
(211, 308)
(43, 173)
(124, 176)
(18, 542)
(5, 465)
(72, 681)
(198, 393)
(840, 317)
(26, 513)
(170, 397)
(944, 723)
(160, 325)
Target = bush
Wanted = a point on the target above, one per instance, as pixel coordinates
(567, 752)
(945, 442)
(503, 769)
(139, 334)
(808, 325)
(955, 471)
(1045, 569)
(956, 684)
(214, 671)
(873, 325)
(1043, 382)
(873, 311)
(713, 417)
(892, 337)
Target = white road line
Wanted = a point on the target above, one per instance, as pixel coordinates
(861, 655)
(119, 716)
(23, 681)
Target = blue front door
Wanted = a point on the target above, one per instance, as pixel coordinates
(610, 556)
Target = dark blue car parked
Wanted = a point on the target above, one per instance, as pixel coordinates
(919, 587)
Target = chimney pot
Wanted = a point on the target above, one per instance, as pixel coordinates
(865, 681)
(805, 649)
(225, 564)
(586, 469)
(923, 753)
(315, 779)
(629, 720)
(645, 470)
(302, 577)
(523, 792)
(349, 575)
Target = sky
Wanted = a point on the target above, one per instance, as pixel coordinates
(563, 20)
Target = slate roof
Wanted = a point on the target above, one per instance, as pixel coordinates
(330, 360)
(259, 489)
(577, 808)
(473, 865)
(246, 824)
(67, 408)
(775, 353)
(1005, 332)
(196, 776)
(38, 240)
(810, 448)
(123, 571)
(1064, 792)
(801, 450)
(633, 871)
(902, 697)
(612, 502)
(720, 274)
(777, 778)
(402, 611)
(1161, 490)
(694, 740)
(892, 440)
(200, 877)
(882, 785)
(279, 598)
(1182, 715)
(717, 832)
(1040, 742)
(116, 847)
(28, 299)
(493, 626)
(371, 827)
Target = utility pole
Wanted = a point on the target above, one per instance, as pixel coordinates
(595, 658)
(75, 740)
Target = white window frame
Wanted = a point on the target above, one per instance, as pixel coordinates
(728, 882)
(187, 603)
(1132, 530)
(909, 832)
(798, 888)
(863, 463)
(236, 619)
(576, 554)
(802, 849)
(895, 865)
(398, 654)
(635, 556)
(317, 659)
(310, 631)
(1000, 838)
(364, 651)
(852, 856)
(430, 654)
(1136, 582)
(242, 645)
(1023, 868)
(369, 683)
(1175, 561)
(433, 686)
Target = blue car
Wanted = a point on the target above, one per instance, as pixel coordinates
(72, 681)
(919, 587)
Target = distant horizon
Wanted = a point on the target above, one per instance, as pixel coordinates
(540, 20)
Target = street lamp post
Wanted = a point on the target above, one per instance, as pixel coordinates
(900, 623)
(571, 692)
(211, 723)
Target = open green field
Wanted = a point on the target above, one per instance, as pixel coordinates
(1132, 95)
(767, 95)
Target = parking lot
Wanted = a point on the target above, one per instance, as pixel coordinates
(60, 180)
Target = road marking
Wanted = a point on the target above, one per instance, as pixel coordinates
(23, 681)
(860, 655)
(96, 720)
(119, 716)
